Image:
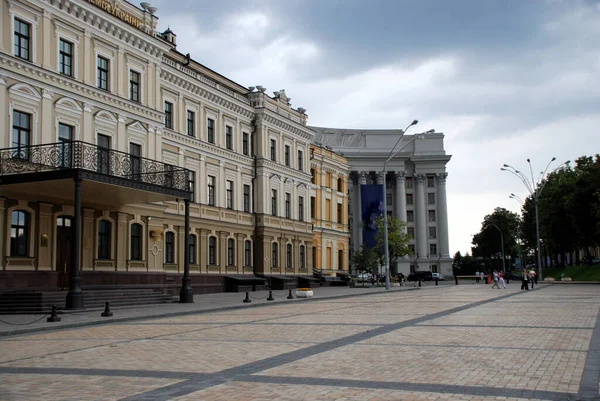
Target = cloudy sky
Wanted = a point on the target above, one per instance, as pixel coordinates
(504, 80)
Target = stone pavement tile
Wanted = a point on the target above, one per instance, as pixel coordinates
(25, 348)
(25, 387)
(159, 355)
(111, 332)
(347, 319)
(516, 319)
(518, 369)
(529, 338)
(245, 391)
(272, 333)
(227, 317)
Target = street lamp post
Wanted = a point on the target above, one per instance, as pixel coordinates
(393, 152)
(502, 242)
(535, 189)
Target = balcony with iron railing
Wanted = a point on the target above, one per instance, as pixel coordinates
(99, 163)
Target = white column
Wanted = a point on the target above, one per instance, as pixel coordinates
(421, 203)
(47, 37)
(122, 135)
(88, 60)
(88, 128)
(238, 193)
(5, 143)
(362, 180)
(400, 198)
(380, 181)
(47, 129)
(442, 217)
(293, 203)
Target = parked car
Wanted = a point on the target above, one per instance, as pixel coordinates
(365, 277)
(439, 276)
(422, 275)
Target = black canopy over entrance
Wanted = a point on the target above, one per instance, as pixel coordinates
(72, 171)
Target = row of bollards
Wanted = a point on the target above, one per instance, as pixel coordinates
(55, 318)
(270, 297)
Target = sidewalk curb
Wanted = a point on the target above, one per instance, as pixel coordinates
(67, 326)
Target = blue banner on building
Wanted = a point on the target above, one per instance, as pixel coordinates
(371, 197)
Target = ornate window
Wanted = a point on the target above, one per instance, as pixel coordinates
(136, 241)
(302, 257)
(230, 252)
(22, 39)
(19, 233)
(247, 253)
(192, 249)
(169, 247)
(104, 245)
(65, 57)
(103, 72)
(212, 251)
(274, 254)
(288, 256)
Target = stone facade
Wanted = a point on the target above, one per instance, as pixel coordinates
(99, 72)
(329, 211)
(416, 188)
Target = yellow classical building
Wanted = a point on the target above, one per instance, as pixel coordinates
(329, 211)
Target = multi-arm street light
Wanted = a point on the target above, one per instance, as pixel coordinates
(535, 189)
(393, 153)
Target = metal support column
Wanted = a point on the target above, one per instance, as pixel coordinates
(75, 294)
(186, 295)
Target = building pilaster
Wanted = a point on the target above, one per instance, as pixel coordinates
(362, 180)
(421, 203)
(442, 211)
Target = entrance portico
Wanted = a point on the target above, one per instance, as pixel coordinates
(87, 176)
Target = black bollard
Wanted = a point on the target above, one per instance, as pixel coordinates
(270, 296)
(54, 315)
(247, 299)
(107, 312)
(419, 282)
(290, 296)
(436, 281)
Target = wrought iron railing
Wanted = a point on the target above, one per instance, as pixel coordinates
(77, 155)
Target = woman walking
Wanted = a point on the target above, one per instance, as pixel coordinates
(525, 280)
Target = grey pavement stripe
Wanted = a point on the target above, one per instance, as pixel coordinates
(468, 347)
(419, 387)
(175, 390)
(498, 326)
(157, 374)
(589, 387)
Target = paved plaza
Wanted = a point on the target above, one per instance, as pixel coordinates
(438, 343)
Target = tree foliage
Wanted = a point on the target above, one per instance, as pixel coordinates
(464, 265)
(397, 240)
(569, 209)
(501, 225)
(365, 260)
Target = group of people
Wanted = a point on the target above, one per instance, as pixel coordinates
(528, 277)
(498, 279)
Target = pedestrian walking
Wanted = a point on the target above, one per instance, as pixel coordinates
(501, 280)
(532, 277)
(495, 285)
(477, 277)
(524, 280)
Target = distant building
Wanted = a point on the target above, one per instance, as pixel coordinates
(416, 188)
(329, 211)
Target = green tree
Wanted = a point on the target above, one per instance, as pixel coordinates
(397, 240)
(488, 241)
(464, 265)
(365, 260)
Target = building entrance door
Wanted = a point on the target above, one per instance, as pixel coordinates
(64, 241)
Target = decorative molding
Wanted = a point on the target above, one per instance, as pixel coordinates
(56, 80)
(400, 177)
(441, 177)
(420, 178)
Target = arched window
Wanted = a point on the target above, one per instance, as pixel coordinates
(136, 241)
(230, 252)
(19, 233)
(313, 176)
(247, 253)
(104, 229)
(288, 256)
(192, 249)
(302, 257)
(340, 185)
(169, 247)
(274, 254)
(340, 265)
(212, 251)
(314, 257)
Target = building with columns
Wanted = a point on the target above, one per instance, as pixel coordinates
(124, 161)
(415, 190)
(329, 211)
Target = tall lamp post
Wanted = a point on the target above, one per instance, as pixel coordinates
(535, 189)
(502, 241)
(393, 152)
